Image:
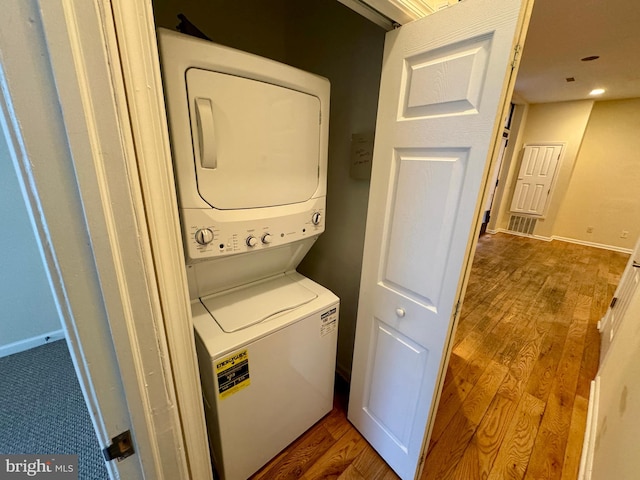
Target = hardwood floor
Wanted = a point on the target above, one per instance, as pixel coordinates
(515, 397)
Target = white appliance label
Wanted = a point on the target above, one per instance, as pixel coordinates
(328, 322)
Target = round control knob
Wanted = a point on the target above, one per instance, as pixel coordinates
(204, 236)
(315, 218)
(266, 238)
(400, 312)
(252, 241)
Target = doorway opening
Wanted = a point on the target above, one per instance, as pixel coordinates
(42, 408)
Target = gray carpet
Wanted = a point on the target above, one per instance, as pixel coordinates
(42, 410)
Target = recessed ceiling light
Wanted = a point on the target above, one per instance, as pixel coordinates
(591, 58)
(597, 91)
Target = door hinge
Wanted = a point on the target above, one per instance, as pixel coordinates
(614, 300)
(121, 447)
(423, 456)
(516, 54)
(455, 314)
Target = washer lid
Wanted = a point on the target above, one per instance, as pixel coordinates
(255, 144)
(248, 305)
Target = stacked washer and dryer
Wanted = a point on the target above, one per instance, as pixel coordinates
(249, 142)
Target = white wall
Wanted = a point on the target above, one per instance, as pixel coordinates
(27, 305)
(326, 38)
(603, 193)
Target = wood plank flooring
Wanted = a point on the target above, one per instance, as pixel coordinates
(515, 397)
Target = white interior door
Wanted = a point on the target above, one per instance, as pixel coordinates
(445, 80)
(627, 287)
(537, 171)
(611, 438)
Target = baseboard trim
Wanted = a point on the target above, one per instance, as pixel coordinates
(565, 239)
(593, 244)
(518, 234)
(29, 343)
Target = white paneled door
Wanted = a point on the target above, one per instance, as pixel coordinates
(617, 310)
(537, 171)
(444, 85)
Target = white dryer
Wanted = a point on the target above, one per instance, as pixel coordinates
(249, 143)
(249, 139)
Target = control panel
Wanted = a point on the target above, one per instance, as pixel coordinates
(207, 234)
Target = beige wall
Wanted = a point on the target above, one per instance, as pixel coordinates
(598, 175)
(326, 38)
(508, 169)
(603, 192)
(550, 122)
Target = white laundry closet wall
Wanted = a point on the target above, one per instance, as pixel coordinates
(29, 313)
(326, 38)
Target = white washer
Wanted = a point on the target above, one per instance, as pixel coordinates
(266, 384)
(249, 143)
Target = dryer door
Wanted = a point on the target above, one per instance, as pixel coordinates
(255, 144)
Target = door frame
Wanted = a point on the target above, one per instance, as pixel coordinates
(133, 46)
(136, 40)
(116, 265)
(142, 181)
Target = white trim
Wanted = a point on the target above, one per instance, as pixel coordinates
(588, 445)
(369, 13)
(400, 11)
(97, 129)
(41, 164)
(29, 343)
(132, 46)
(593, 244)
(74, 34)
(518, 234)
(565, 239)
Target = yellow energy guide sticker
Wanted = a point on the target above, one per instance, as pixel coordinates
(233, 373)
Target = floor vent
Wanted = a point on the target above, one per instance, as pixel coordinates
(522, 224)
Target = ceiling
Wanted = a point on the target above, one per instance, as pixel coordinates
(562, 32)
